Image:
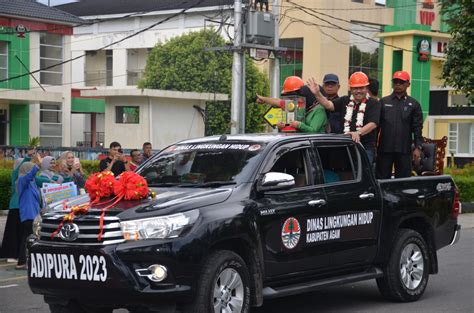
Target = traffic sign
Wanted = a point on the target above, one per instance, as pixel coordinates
(273, 116)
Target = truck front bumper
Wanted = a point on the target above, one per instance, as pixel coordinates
(111, 276)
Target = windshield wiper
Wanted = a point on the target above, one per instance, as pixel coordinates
(209, 184)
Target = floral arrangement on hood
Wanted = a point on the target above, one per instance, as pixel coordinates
(103, 185)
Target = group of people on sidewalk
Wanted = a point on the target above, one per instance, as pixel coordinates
(28, 176)
(390, 129)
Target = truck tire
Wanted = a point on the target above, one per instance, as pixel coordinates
(407, 271)
(223, 284)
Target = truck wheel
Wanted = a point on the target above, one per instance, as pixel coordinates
(224, 285)
(407, 271)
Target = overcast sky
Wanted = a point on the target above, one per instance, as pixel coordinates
(56, 2)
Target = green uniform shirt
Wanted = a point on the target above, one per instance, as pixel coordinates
(315, 121)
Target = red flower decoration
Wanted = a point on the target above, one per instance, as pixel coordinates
(100, 185)
(131, 186)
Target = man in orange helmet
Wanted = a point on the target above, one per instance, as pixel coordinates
(315, 118)
(401, 123)
(360, 112)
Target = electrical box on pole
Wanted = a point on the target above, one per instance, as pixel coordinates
(259, 28)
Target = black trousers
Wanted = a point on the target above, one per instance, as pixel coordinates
(11, 235)
(26, 230)
(385, 162)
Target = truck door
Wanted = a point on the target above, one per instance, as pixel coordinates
(283, 216)
(352, 224)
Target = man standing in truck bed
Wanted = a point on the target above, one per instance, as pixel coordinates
(401, 123)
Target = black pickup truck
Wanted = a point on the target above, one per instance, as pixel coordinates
(244, 218)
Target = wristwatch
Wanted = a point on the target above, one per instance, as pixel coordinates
(359, 132)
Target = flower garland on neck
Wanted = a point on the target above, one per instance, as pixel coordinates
(350, 112)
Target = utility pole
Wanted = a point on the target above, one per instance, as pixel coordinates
(275, 63)
(235, 111)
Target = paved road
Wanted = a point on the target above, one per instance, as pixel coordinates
(449, 291)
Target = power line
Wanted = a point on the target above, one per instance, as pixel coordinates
(305, 10)
(359, 9)
(106, 46)
(87, 23)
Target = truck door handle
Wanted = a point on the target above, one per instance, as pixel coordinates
(365, 196)
(317, 202)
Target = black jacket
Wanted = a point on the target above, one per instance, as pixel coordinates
(401, 123)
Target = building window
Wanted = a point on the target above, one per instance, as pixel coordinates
(51, 126)
(291, 61)
(461, 138)
(3, 60)
(458, 100)
(127, 115)
(51, 53)
(109, 67)
(364, 53)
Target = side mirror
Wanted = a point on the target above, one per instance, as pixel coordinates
(276, 181)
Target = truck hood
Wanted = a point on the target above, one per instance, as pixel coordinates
(172, 200)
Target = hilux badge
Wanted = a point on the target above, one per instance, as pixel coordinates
(290, 233)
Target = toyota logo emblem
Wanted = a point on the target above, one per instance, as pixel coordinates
(69, 232)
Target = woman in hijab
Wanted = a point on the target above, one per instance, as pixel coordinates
(12, 233)
(48, 174)
(29, 201)
(71, 170)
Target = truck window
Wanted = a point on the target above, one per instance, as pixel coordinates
(337, 163)
(293, 163)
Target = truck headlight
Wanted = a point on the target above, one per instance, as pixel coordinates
(160, 227)
(37, 225)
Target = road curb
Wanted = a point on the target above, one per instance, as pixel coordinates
(467, 207)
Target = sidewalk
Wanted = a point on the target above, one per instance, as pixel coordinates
(466, 220)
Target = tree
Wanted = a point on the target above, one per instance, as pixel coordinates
(458, 70)
(183, 64)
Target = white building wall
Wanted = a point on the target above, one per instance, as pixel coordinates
(171, 120)
(120, 67)
(175, 120)
(66, 89)
(34, 65)
(129, 135)
(98, 35)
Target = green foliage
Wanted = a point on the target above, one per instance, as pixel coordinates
(367, 60)
(464, 179)
(8, 164)
(466, 187)
(458, 70)
(183, 64)
(34, 142)
(5, 187)
(90, 167)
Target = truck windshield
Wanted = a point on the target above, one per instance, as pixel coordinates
(202, 165)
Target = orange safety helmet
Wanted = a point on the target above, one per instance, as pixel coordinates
(402, 75)
(291, 84)
(358, 79)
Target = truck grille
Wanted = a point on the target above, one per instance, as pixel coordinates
(88, 229)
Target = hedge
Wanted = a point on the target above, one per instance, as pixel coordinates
(466, 187)
(5, 188)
